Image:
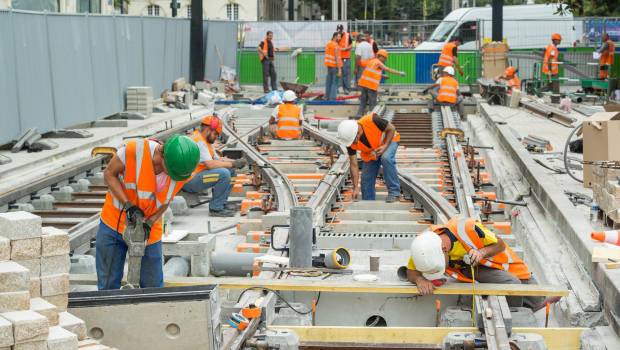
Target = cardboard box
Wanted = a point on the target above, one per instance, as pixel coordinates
(601, 141)
(494, 58)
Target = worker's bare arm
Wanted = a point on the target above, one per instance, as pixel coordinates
(425, 286)
(114, 169)
(217, 163)
(355, 175)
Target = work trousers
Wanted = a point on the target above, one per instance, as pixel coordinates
(358, 75)
(269, 71)
(370, 170)
(110, 261)
(219, 179)
(485, 274)
(554, 84)
(367, 97)
(346, 75)
(331, 83)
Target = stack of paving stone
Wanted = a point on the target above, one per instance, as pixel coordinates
(606, 191)
(34, 285)
(140, 100)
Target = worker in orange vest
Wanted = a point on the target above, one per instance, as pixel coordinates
(462, 243)
(371, 79)
(213, 171)
(266, 53)
(371, 41)
(286, 119)
(345, 44)
(550, 67)
(607, 52)
(377, 140)
(333, 62)
(448, 56)
(142, 178)
(510, 78)
(445, 91)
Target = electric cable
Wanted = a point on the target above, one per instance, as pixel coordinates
(577, 128)
(279, 296)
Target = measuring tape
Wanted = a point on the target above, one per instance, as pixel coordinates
(238, 321)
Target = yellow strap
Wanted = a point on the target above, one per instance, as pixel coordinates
(473, 296)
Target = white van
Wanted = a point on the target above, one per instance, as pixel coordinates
(525, 27)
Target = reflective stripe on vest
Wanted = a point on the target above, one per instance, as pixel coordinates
(551, 55)
(371, 76)
(447, 90)
(446, 59)
(330, 55)
(374, 135)
(288, 121)
(197, 137)
(343, 43)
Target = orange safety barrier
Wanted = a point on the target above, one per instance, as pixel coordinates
(301, 176)
(488, 195)
(260, 237)
(237, 188)
(246, 204)
(255, 194)
(252, 248)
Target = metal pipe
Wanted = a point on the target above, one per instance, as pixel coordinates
(300, 237)
(177, 266)
(232, 263)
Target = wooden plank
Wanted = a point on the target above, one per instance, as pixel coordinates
(555, 338)
(605, 255)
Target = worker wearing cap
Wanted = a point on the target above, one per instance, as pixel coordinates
(212, 170)
(510, 78)
(445, 91)
(286, 119)
(142, 178)
(377, 141)
(371, 79)
(448, 56)
(607, 52)
(345, 44)
(550, 66)
(452, 249)
(266, 53)
(333, 62)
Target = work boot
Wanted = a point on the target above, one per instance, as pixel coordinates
(232, 206)
(222, 213)
(391, 199)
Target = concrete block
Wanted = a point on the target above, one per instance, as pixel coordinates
(28, 326)
(54, 265)
(274, 218)
(60, 301)
(33, 345)
(5, 249)
(35, 287)
(12, 301)
(20, 225)
(61, 339)
(72, 324)
(6, 333)
(54, 242)
(13, 277)
(33, 265)
(55, 284)
(23, 249)
(46, 309)
(246, 225)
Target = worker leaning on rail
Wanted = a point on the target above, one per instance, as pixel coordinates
(510, 78)
(551, 60)
(445, 91)
(377, 141)
(449, 55)
(607, 52)
(371, 79)
(212, 170)
(286, 119)
(452, 248)
(142, 178)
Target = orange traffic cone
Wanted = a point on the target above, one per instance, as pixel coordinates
(606, 236)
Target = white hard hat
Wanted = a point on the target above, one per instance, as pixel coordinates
(347, 131)
(449, 70)
(289, 96)
(428, 256)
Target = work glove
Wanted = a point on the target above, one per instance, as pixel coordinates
(133, 214)
(239, 163)
(402, 74)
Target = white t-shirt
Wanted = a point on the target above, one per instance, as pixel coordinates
(161, 178)
(205, 155)
(364, 50)
(276, 110)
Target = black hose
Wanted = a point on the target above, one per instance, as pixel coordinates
(570, 136)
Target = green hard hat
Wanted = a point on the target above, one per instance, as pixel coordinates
(181, 155)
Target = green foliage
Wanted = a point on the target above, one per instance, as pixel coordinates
(603, 8)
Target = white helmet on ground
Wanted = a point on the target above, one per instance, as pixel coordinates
(289, 96)
(427, 255)
(449, 70)
(347, 131)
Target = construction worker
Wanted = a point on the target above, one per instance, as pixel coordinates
(212, 170)
(363, 53)
(333, 62)
(551, 60)
(345, 44)
(510, 78)
(266, 53)
(448, 56)
(372, 42)
(142, 178)
(370, 80)
(286, 119)
(377, 141)
(445, 91)
(458, 246)
(607, 52)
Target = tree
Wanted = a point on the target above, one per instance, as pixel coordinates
(603, 8)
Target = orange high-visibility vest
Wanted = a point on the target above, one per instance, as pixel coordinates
(447, 90)
(514, 83)
(371, 76)
(607, 59)
(344, 42)
(265, 49)
(374, 135)
(464, 231)
(289, 121)
(552, 56)
(140, 183)
(331, 58)
(197, 137)
(446, 59)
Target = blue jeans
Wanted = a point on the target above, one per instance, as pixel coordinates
(110, 261)
(370, 171)
(346, 74)
(331, 83)
(219, 179)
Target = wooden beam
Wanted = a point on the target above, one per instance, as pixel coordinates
(555, 338)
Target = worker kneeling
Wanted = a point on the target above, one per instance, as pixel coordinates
(213, 171)
(377, 141)
(465, 249)
(510, 78)
(142, 178)
(286, 119)
(445, 91)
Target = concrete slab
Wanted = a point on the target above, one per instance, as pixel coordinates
(13, 277)
(375, 215)
(377, 226)
(19, 224)
(28, 326)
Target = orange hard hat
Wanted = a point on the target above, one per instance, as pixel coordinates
(213, 122)
(383, 53)
(510, 71)
(556, 36)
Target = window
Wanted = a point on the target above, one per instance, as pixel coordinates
(232, 12)
(152, 10)
(189, 11)
(467, 31)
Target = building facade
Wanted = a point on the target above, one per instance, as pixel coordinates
(226, 10)
(105, 7)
